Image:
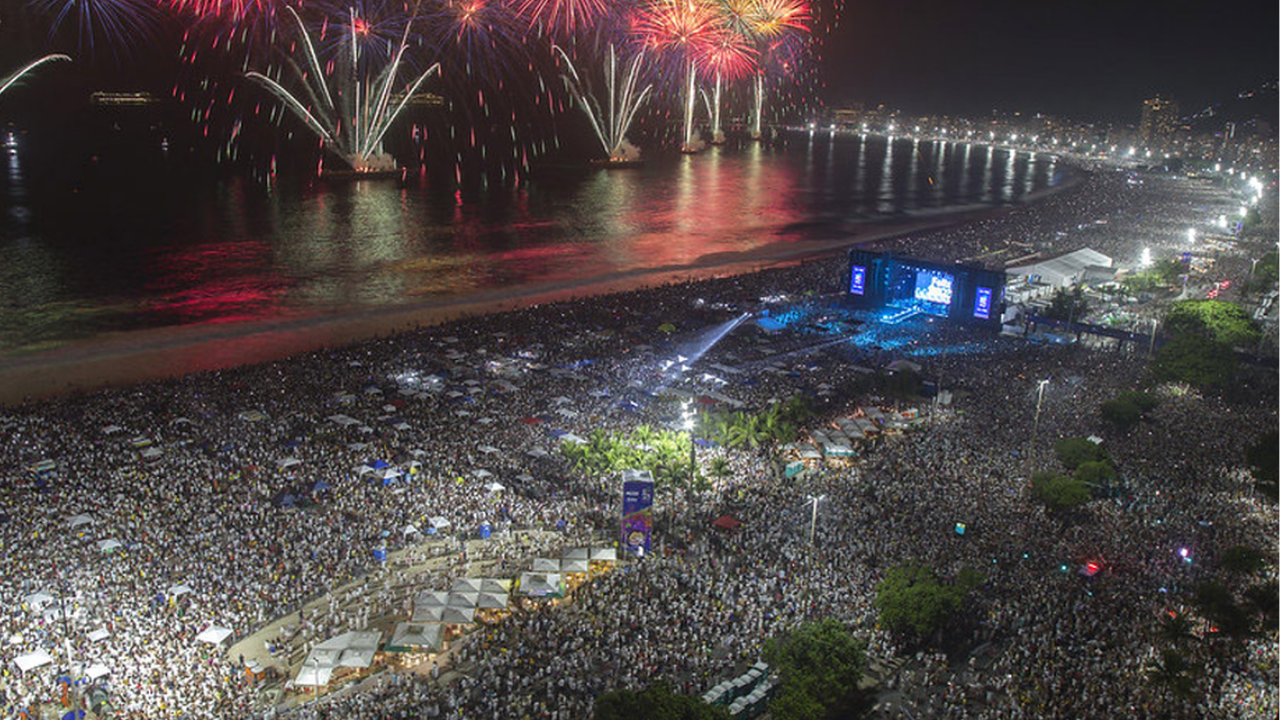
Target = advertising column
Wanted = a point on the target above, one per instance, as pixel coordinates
(637, 511)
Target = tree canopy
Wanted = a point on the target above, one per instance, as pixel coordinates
(1072, 452)
(820, 664)
(1217, 320)
(1057, 491)
(1069, 306)
(656, 702)
(1126, 409)
(1195, 360)
(912, 600)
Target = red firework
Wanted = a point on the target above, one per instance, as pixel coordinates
(562, 16)
(729, 54)
(686, 27)
(234, 10)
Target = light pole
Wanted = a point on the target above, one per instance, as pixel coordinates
(1035, 426)
(813, 519)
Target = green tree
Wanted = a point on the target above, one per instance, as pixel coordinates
(1242, 559)
(1095, 474)
(820, 664)
(1171, 671)
(1264, 462)
(1175, 629)
(656, 702)
(1217, 320)
(1263, 599)
(1126, 409)
(1214, 602)
(1072, 452)
(1058, 492)
(1195, 360)
(1068, 306)
(912, 601)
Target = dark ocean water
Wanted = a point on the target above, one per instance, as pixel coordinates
(134, 242)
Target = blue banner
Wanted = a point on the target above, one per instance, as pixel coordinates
(637, 515)
(982, 303)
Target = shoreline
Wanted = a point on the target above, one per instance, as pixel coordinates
(120, 359)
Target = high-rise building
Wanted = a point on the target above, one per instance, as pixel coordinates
(1159, 120)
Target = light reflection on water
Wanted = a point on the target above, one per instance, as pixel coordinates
(158, 252)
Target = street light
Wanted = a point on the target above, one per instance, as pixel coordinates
(813, 519)
(686, 411)
(1152, 347)
(1035, 426)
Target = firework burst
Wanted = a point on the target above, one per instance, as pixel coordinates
(683, 31)
(351, 117)
(562, 17)
(122, 25)
(612, 118)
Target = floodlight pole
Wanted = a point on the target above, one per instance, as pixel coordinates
(1035, 426)
(813, 518)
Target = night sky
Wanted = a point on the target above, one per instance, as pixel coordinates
(1089, 60)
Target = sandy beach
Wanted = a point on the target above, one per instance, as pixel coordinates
(124, 358)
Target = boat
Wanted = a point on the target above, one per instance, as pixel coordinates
(384, 174)
(611, 164)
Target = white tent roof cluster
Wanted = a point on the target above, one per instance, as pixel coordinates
(1067, 269)
(354, 649)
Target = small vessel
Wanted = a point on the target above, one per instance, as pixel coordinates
(616, 163)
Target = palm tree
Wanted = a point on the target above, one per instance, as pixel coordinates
(1172, 672)
(1175, 629)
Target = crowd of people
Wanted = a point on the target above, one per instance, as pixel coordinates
(208, 538)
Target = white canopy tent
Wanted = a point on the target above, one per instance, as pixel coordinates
(576, 554)
(492, 601)
(109, 544)
(546, 565)
(431, 598)
(32, 660)
(604, 554)
(178, 590)
(465, 601)
(419, 635)
(286, 463)
(96, 671)
(37, 601)
(76, 521)
(214, 635)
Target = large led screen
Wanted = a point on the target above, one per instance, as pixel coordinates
(858, 280)
(934, 287)
(982, 303)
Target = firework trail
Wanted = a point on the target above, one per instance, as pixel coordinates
(683, 31)
(562, 17)
(612, 120)
(781, 29)
(351, 117)
(729, 56)
(6, 83)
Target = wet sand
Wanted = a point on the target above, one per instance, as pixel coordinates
(136, 356)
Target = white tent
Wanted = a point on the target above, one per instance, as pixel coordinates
(112, 429)
(457, 615)
(428, 614)
(438, 522)
(32, 660)
(540, 584)
(214, 635)
(99, 635)
(96, 670)
(152, 452)
(576, 554)
(286, 463)
(492, 601)
(409, 529)
(494, 487)
(481, 585)
(538, 453)
(343, 420)
(545, 565)
(109, 544)
(312, 676)
(431, 598)
(573, 566)
(37, 601)
(561, 400)
(604, 554)
(178, 590)
(417, 635)
(486, 421)
(466, 601)
(76, 521)
(482, 474)
(488, 449)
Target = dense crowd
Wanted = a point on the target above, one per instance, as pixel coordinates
(462, 405)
